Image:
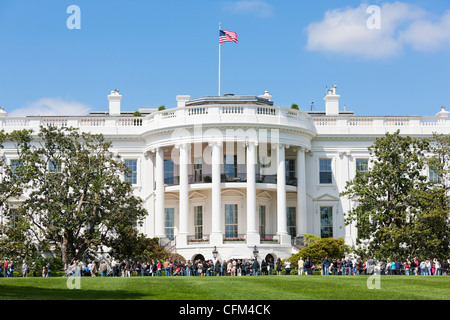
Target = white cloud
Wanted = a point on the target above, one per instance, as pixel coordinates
(425, 35)
(255, 7)
(346, 31)
(51, 107)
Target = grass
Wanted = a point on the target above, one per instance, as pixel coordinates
(228, 288)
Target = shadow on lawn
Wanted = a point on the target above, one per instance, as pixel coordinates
(34, 293)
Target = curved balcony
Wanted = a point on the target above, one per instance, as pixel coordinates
(226, 178)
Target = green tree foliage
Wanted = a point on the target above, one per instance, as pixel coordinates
(399, 213)
(319, 249)
(77, 201)
(15, 178)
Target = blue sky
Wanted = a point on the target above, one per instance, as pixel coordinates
(155, 50)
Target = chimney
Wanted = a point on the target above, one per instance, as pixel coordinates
(332, 102)
(266, 96)
(181, 101)
(3, 113)
(443, 113)
(114, 103)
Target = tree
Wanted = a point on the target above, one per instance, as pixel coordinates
(432, 232)
(15, 178)
(295, 106)
(77, 200)
(393, 199)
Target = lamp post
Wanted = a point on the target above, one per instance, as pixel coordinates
(215, 253)
(255, 252)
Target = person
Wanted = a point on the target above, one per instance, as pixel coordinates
(93, 269)
(428, 267)
(287, 267)
(200, 268)
(104, 269)
(326, 266)
(11, 269)
(44, 273)
(264, 267)
(308, 267)
(158, 268)
(233, 267)
(218, 268)
(6, 269)
(398, 267)
(248, 268)
(437, 267)
(271, 265)
(138, 269)
(189, 268)
(350, 266)
(166, 268)
(393, 267)
(358, 266)
(301, 265)
(407, 266)
(370, 266)
(24, 269)
(255, 267)
(49, 270)
(343, 267)
(382, 266)
(445, 266)
(279, 267)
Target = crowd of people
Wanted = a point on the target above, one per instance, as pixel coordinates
(255, 267)
(238, 267)
(8, 268)
(371, 266)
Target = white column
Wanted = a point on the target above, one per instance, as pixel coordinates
(302, 223)
(217, 217)
(159, 199)
(183, 195)
(252, 231)
(282, 233)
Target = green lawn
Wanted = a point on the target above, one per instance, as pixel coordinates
(228, 288)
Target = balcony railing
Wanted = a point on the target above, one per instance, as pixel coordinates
(226, 178)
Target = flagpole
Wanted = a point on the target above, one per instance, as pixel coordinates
(220, 47)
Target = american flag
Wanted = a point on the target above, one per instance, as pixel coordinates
(227, 36)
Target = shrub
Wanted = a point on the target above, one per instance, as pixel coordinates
(324, 247)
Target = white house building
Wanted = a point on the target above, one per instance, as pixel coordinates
(234, 176)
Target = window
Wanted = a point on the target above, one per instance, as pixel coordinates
(325, 171)
(198, 222)
(52, 167)
(326, 222)
(262, 221)
(169, 172)
(290, 169)
(131, 176)
(291, 221)
(231, 221)
(230, 166)
(169, 222)
(15, 165)
(198, 170)
(13, 218)
(362, 166)
(433, 175)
